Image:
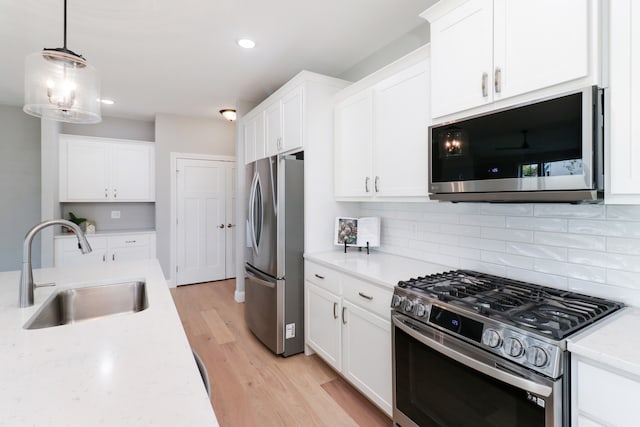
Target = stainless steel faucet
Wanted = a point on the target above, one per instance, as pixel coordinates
(26, 278)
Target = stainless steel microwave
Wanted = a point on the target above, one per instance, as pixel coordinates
(548, 150)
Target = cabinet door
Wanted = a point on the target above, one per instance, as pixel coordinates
(129, 248)
(462, 58)
(559, 53)
(366, 342)
(67, 253)
(273, 128)
(292, 120)
(132, 172)
(260, 145)
(352, 146)
(401, 134)
(322, 324)
(250, 141)
(84, 170)
(623, 141)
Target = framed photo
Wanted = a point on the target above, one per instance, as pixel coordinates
(346, 231)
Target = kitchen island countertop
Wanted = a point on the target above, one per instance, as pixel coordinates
(124, 370)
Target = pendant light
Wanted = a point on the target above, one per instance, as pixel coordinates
(60, 84)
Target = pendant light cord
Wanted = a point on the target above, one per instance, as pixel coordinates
(65, 25)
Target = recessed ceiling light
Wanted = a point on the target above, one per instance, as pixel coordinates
(246, 43)
(107, 101)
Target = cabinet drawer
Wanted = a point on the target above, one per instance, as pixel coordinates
(70, 244)
(368, 296)
(324, 277)
(129, 241)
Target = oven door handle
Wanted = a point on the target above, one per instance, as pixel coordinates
(514, 380)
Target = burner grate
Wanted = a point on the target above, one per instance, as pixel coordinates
(545, 310)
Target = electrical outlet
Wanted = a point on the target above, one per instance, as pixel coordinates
(115, 214)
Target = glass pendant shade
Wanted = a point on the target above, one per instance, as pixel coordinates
(62, 86)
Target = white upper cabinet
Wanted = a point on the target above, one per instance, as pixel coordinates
(623, 129)
(106, 170)
(281, 123)
(381, 133)
(485, 51)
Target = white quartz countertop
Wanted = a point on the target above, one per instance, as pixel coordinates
(614, 341)
(107, 233)
(124, 370)
(383, 269)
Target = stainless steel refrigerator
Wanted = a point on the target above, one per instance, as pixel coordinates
(274, 281)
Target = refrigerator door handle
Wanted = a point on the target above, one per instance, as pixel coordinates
(259, 281)
(273, 186)
(252, 210)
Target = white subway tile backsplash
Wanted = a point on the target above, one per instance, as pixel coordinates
(605, 228)
(483, 220)
(606, 260)
(566, 210)
(509, 235)
(537, 224)
(508, 259)
(473, 242)
(623, 245)
(569, 240)
(552, 280)
(537, 251)
(505, 209)
(593, 249)
(623, 212)
(575, 271)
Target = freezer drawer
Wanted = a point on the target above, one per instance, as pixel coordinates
(261, 309)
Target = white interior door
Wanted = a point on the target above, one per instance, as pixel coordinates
(231, 223)
(201, 226)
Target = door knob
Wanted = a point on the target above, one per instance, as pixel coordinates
(221, 226)
(229, 225)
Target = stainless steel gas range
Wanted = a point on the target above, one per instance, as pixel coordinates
(473, 349)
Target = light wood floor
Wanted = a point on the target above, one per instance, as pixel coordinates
(252, 387)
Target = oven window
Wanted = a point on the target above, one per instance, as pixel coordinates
(434, 390)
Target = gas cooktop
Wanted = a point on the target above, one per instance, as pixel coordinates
(550, 311)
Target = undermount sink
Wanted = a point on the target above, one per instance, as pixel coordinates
(80, 304)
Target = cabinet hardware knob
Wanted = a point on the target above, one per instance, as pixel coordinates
(365, 296)
(366, 184)
(221, 226)
(335, 313)
(485, 77)
(497, 80)
(104, 257)
(113, 257)
(375, 183)
(344, 319)
(319, 276)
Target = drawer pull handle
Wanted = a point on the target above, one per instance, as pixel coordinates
(129, 241)
(344, 320)
(485, 92)
(335, 306)
(113, 257)
(319, 276)
(365, 296)
(104, 258)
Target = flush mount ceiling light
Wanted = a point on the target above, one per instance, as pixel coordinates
(229, 114)
(246, 43)
(107, 101)
(59, 84)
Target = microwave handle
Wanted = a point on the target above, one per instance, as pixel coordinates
(514, 380)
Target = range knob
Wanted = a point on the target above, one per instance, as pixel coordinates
(420, 310)
(397, 300)
(514, 347)
(408, 306)
(537, 356)
(492, 338)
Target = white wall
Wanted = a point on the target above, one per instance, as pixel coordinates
(593, 249)
(398, 48)
(19, 184)
(181, 134)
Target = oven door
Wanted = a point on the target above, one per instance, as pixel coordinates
(439, 380)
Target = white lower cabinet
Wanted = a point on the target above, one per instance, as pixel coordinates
(105, 249)
(602, 396)
(347, 322)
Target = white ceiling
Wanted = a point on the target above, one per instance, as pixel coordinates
(181, 57)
